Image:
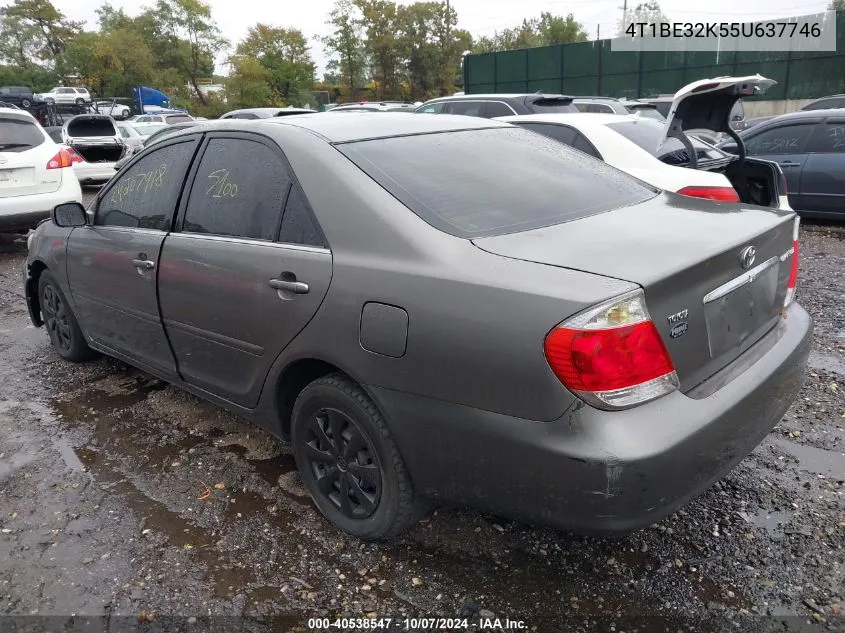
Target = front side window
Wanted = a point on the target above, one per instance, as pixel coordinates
(145, 195)
(483, 182)
(432, 108)
(786, 139)
(560, 133)
(492, 109)
(239, 189)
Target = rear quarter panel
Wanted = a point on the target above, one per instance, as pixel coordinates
(476, 321)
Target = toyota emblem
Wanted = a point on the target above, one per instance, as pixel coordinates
(746, 258)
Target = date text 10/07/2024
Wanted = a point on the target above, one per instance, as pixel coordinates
(416, 624)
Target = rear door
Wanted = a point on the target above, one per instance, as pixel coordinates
(247, 269)
(784, 144)
(823, 176)
(113, 263)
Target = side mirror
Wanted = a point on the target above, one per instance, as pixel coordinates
(69, 214)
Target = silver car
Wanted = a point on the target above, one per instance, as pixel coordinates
(438, 308)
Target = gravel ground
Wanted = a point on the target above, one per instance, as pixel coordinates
(127, 499)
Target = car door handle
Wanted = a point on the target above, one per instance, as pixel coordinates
(789, 163)
(296, 287)
(146, 264)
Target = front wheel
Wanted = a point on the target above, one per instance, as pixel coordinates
(65, 336)
(349, 463)
(26, 103)
(125, 114)
(80, 101)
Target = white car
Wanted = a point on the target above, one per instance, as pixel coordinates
(133, 139)
(656, 152)
(96, 138)
(113, 109)
(63, 95)
(36, 174)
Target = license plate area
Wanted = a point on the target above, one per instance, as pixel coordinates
(740, 308)
(16, 177)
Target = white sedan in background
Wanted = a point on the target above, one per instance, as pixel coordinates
(36, 173)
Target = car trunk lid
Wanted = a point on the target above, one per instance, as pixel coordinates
(95, 138)
(691, 258)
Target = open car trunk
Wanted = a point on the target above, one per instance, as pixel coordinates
(95, 137)
(708, 104)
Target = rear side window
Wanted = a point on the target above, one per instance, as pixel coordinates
(432, 108)
(19, 135)
(583, 145)
(144, 196)
(645, 112)
(493, 109)
(298, 226)
(177, 118)
(239, 189)
(827, 138)
(466, 108)
(551, 104)
(560, 133)
(478, 183)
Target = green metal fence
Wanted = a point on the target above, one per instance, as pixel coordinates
(591, 68)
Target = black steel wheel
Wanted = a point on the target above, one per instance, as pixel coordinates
(59, 321)
(344, 463)
(349, 462)
(80, 101)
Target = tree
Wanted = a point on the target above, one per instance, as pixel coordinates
(647, 12)
(248, 84)
(836, 5)
(547, 30)
(285, 54)
(42, 23)
(345, 45)
(20, 43)
(194, 39)
(380, 20)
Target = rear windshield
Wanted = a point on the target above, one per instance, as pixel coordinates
(477, 183)
(648, 134)
(646, 111)
(91, 127)
(17, 135)
(543, 106)
(177, 118)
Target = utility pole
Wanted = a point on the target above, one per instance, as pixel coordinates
(624, 14)
(598, 32)
(448, 51)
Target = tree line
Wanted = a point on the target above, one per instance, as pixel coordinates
(377, 49)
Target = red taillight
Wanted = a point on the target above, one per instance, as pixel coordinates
(66, 157)
(612, 356)
(792, 286)
(722, 194)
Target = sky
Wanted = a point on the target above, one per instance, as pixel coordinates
(479, 17)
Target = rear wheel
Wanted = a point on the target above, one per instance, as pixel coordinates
(349, 462)
(26, 103)
(125, 114)
(80, 101)
(59, 321)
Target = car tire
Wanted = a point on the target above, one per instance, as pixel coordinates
(379, 501)
(26, 103)
(125, 114)
(80, 101)
(59, 321)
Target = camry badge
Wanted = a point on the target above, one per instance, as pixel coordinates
(677, 317)
(746, 257)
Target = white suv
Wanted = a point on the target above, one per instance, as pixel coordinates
(63, 95)
(35, 172)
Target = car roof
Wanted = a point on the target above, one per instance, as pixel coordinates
(576, 119)
(269, 111)
(807, 114)
(500, 95)
(21, 114)
(829, 97)
(359, 126)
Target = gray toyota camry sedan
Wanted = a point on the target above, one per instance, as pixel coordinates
(438, 309)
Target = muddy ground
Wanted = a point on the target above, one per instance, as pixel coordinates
(129, 500)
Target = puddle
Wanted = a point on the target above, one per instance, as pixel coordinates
(228, 580)
(774, 522)
(816, 460)
(69, 456)
(827, 362)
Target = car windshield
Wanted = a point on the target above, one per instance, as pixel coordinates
(477, 183)
(19, 135)
(648, 134)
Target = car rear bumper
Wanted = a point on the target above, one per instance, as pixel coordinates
(595, 471)
(24, 212)
(94, 173)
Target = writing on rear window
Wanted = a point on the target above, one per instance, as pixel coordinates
(139, 184)
(837, 137)
(221, 187)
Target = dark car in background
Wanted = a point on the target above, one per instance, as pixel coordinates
(612, 105)
(490, 106)
(17, 95)
(435, 323)
(809, 146)
(831, 102)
